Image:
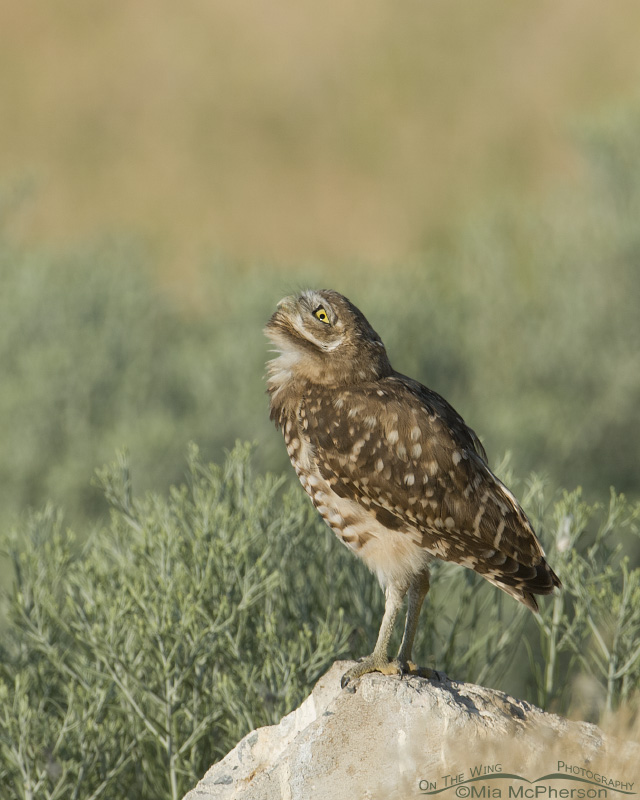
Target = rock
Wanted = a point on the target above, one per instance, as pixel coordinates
(391, 737)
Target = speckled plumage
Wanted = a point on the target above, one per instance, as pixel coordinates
(389, 464)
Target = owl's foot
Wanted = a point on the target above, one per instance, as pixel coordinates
(373, 663)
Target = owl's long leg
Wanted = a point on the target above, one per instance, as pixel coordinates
(378, 661)
(417, 592)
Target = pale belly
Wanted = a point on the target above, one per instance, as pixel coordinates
(395, 556)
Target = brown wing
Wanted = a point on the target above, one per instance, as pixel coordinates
(404, 453)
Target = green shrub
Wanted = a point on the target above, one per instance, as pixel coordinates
(137, 655)
(137, 658)
(592, 627)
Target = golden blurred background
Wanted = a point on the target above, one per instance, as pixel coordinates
(295, 131)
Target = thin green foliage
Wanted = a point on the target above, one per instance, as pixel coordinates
(134, 661)
(137, 655)
(592, 627)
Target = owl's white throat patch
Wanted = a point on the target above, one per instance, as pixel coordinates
(282, 368)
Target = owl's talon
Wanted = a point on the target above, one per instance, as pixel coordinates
(372, 663)
(412, 669)
(385, 667)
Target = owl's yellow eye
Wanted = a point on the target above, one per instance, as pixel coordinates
(321, 314)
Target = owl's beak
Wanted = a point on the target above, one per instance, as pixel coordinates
(277, 318)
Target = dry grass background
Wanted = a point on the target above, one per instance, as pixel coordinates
(294, 131)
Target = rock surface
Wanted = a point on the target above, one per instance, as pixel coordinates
(391, 737)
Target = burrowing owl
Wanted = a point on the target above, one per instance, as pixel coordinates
(391, 467)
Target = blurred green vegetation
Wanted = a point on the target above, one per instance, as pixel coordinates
(526, 320)
(137, 656)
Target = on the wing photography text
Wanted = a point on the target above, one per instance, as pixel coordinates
(478, 782)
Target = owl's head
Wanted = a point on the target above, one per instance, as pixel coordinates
(323, 338)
